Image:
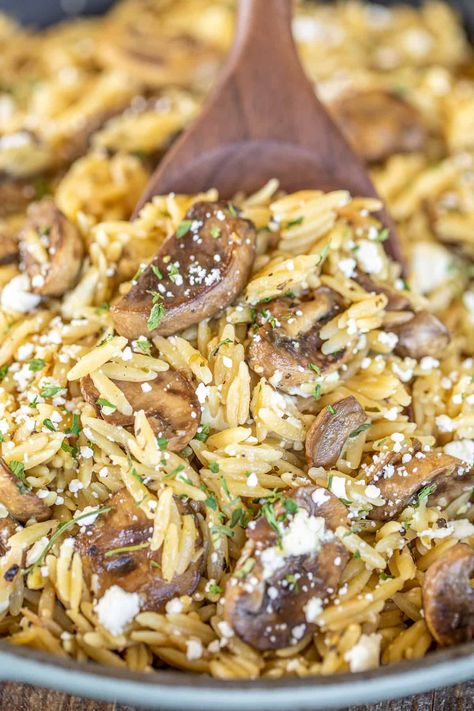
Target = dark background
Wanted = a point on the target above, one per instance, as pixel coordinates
(44, 12)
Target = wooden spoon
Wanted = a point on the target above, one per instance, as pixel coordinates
(264, 121)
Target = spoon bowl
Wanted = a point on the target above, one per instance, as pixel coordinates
(263, 120)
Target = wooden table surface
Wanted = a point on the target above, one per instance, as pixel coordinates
(21, 697)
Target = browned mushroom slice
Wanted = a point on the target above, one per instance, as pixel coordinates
(396, 300)
(330, 430)
(424, 335)
(138, 568)
(18, 499)
(451, 488)
(448, 596)
(378, 124)
(7, 529)
(169, 402)
(8, 250)
(287, 348)
(281, 583)
(51, 249)
(197, 272)
(399, 482)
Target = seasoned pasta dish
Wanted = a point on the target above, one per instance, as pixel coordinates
(235, 437)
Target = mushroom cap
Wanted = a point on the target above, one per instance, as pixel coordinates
(378, 123)
(424, 335)
(448, 596)
(396, 300)
(171, 406)
(266, 609)
(51, 249)
(124, 526)
(287, 351)
(212, 253)
(450, 488)
(330, 430)
(21, 503)
(399, 482)
(7, 529)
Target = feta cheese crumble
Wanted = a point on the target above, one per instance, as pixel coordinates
(116, 609)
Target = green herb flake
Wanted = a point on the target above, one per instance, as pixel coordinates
(136, 475)
(382, 235)
(69, 449)
(219, 345)
(143, 345)
(36, 364)
(183, 228)
(50, 390)
(245, 569)
(385, 576)
(157, 311)
(317, 392)
(175, 472)
(101, 308)
(268, 511)
(357, 555)
(106, 339)
(331, 409)
(232, 209)
(202, 434)
(290, 506)
(214, 467)
(75, 428)
(49, 424)
(126, 549)
(162, 443)
(3, 371)
(360, 429)
(315, 367)
(294, 223)
(18, 469)
(102, 402)
(213, 589)
(292, 580)
(173, 273)
(425, 492)
(219, 529)
(215, 231)
(156, 271)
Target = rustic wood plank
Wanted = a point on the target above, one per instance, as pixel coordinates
(22, 697)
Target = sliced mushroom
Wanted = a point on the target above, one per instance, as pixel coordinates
(378, 124)
(399, 482)
(51, 249)
(197, 272)
(287, 348)
(396, 300)
(139, 569)
(7, 529)
(424, 335)
(451, 488)
(15, 495)
(330, 430)
(448, 596)
(169, 402)
(276, 594)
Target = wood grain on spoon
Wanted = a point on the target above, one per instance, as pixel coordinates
(263, 120)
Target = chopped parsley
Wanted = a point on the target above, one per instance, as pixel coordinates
(157, 311)
(357, 555)
(50, 390)
(292, 580)
(75, 428)
(173, 273)
(101, 308)
(385, 576)
(214, 467)
(382, 235)
(106, 339)
(214, 589)
(331, 409)
(232, 209)
(317, 392)
(18, 469)
(69, 449)
(102, 402)
(143, 345)
(126, 549)
(3, 371)
(203, 433)
(162, 443)
(36, 364)
(220, 529)
(219, 345)
(156, 271)
(425, 492)
(175, 472)
(295, 222)
(183, 228)
(360, 429)
(315, 367)
(245, 569)
(49, 424)
(215, 231)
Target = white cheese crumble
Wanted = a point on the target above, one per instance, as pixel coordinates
(17, 297)
(365, 654)
(303, 536)
(193, 649)
(116, 609)
(338, 487)
(313, 609)
(462, 449)
(370, 256)
(252, 480)
(174, 606)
